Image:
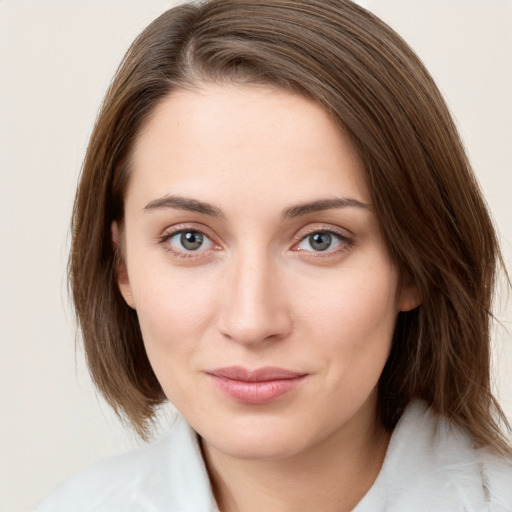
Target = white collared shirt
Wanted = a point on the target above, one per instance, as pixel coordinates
(429, 467)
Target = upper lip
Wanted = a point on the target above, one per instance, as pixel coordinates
(267, 373)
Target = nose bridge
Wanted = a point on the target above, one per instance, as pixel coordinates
(254, 310)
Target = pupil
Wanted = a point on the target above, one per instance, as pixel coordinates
(191, 240)
(320, 241)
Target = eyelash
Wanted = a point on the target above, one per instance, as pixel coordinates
(345, 243)
(183, 254)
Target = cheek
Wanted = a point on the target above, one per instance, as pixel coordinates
(361, 299)
(173, 308)
(354, 329)
(353, 317)
(173, 315)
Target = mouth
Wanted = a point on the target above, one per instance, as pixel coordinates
(255, 387)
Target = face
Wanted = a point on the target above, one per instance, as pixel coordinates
(265, 294)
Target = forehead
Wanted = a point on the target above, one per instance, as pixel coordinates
(231, 142)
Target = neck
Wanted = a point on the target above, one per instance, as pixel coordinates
(331, 476)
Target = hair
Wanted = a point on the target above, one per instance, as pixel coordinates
(431, 211)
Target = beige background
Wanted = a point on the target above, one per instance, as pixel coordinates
(56, 60)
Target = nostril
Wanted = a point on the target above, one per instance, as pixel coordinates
(256, 327)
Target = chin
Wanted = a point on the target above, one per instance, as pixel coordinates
(258, 447)
(259, 438)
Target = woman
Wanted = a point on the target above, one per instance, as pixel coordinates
(277, 230)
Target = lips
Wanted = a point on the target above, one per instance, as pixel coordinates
(256, 387)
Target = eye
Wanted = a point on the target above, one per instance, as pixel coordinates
(323, 241)
(188, 241)
(319, 241)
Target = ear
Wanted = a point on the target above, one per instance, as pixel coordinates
(410, 296)
(122, 274)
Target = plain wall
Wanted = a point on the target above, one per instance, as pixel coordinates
(56, 60)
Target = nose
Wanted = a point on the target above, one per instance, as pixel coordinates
(254, 306)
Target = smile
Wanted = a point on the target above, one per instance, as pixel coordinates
(255, 387)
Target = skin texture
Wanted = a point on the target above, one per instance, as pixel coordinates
(256, 293)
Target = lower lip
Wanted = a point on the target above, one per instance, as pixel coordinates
(255, 393)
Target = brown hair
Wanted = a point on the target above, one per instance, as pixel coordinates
(432, 214)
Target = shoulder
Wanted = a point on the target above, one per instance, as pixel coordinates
(496, 480)
(163, 476)
(433, 465)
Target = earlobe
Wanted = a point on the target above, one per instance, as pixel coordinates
(410, 296)
(123, 280)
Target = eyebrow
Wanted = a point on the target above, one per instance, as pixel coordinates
(183, 203)
(193, 205)
(322, 205)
